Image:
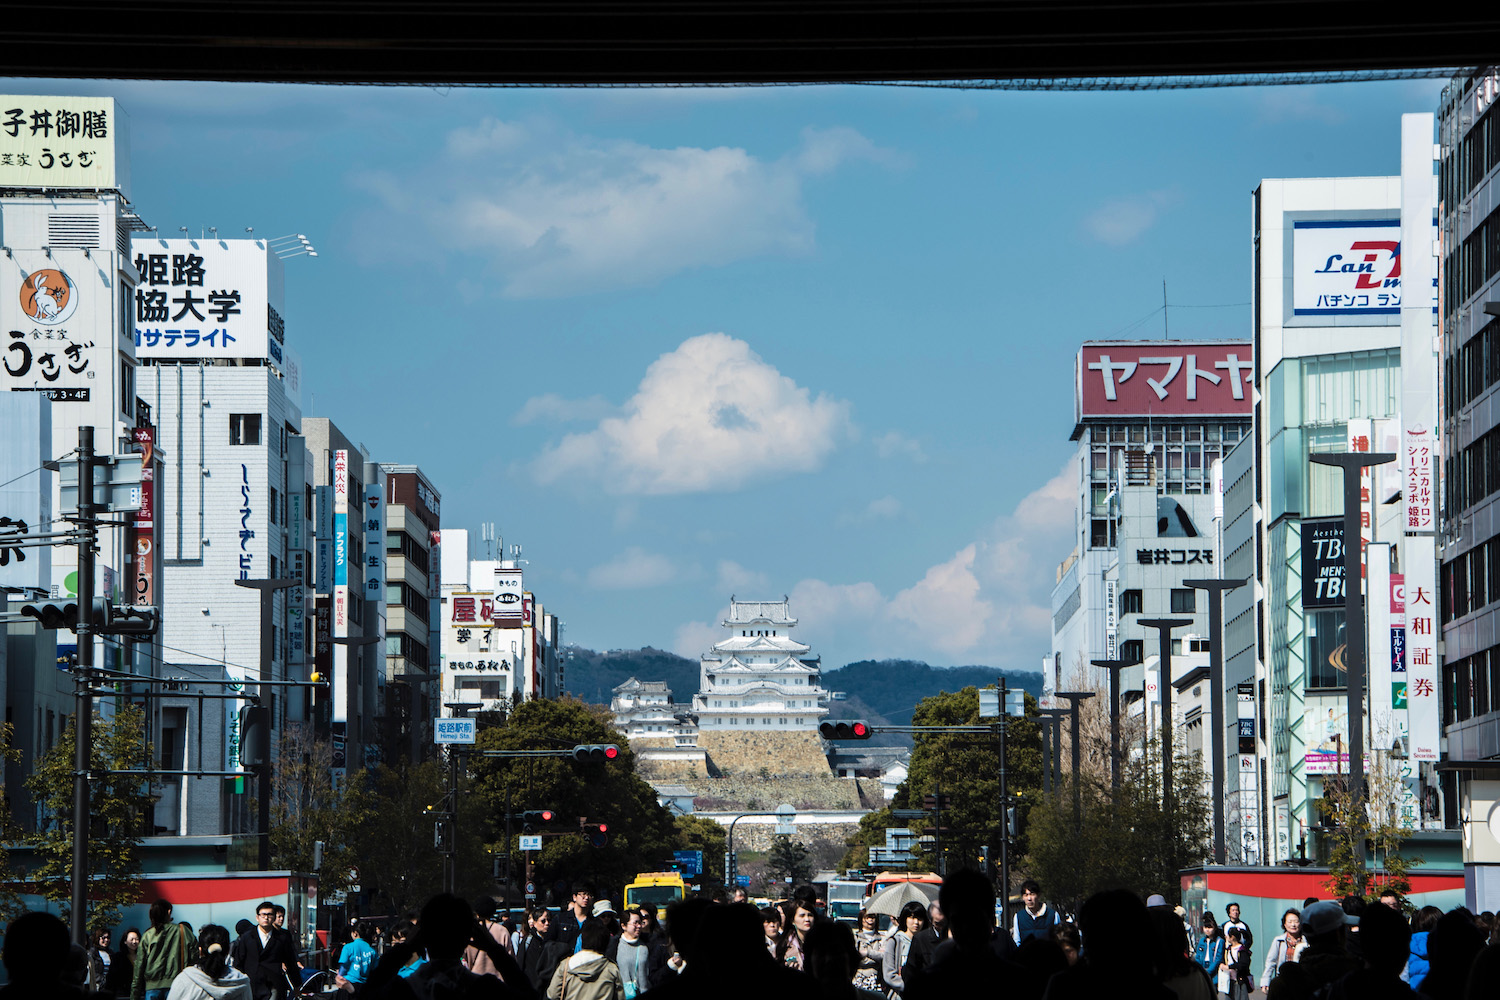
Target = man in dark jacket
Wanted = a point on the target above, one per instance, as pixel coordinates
(966, 965)
(566, 924)
(925, 942)
(267, 956)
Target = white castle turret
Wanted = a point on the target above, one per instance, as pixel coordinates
(760, 677)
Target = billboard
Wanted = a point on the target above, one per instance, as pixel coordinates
(510, 611)
(56, 325)
(1322, 562)
(1164, 378)
(64, 142)
(208, 299)
(1346, 267)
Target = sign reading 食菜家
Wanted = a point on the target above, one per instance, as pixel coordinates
(207, 299)
(64, 142)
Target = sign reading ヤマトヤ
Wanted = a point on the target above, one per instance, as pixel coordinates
(207, 299)
(1173, 378)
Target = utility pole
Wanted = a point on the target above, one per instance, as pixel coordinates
(267, 590)
(1005, 831)
(1114, 667)
(1164, 627)
(1215, 589)
(1053, 718)
(1354, 622)
(83, 712)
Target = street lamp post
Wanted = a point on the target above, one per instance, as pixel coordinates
(267, 589)
(1164, 627)
(1354, 621)
(1216, 588)
(1114, 667)
(1075, 700)
(1052, 765)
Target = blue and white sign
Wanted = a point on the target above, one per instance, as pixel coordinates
(743, 880)
(1346, 267)
(689, 862)
(531, 842)
(453, 731)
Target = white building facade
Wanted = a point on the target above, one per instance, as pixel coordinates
(760, 677)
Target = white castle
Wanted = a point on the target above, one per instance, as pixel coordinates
(760, 677)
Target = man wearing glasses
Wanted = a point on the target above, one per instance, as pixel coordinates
(266, 955)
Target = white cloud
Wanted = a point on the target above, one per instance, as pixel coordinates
(894, 444)
(635, 567)
(883, 509)
(709, 416)
(1123, 220)
(554, 213)
(696, 638)
(552, 408)
(988, 602)
(735, 578)
(1279, 105)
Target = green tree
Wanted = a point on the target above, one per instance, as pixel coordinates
(641, 832)
(871, 833)
(306, 806)
(398, 858)
(788, 862)
(118, 807)
(1379, 824)
(11, 905)
(965, 767)
(695, 833)
(1124, 839)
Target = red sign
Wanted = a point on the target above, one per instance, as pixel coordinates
(140, 541)
(1165, 378)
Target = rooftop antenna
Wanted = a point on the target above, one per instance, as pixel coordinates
(1164, 334)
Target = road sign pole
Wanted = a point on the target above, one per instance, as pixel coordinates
(83, 712)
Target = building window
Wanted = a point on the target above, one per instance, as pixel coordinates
(1133, 650)
(1184, 602)
(1131, 602)
(244, 428)
(127, 387)
(275, 503)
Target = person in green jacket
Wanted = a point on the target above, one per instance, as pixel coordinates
(166, 949)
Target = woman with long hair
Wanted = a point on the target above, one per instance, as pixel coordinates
(122, 966)
(1210, 951)
(212, 978)
(909, 922)
(1284, 947)
(166, 949)
(800, 920)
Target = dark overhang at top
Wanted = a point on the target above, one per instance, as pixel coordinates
(605, 42)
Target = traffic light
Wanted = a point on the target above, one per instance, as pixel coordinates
(984, 860)
(255, 736)
(936, 802)
(535, 817)
(845, 729)
(595, 753)
(53, 615)
(598, 834)
(127, 619)
(442, 835)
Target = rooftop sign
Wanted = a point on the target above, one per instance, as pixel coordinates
(1168, 378)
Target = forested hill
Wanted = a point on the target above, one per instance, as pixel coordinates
(884, 690)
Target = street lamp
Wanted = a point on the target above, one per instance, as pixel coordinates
(1354, 623)
(1075, 700)
(1164, 627)
(267, 589)
(1114, 667)
(1216, 590)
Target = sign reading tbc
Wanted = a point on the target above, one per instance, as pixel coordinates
(1322, 562)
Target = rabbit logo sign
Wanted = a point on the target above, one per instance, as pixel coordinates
(48, 296)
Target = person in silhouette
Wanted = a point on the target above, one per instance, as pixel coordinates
(965, 964)
(36, 956)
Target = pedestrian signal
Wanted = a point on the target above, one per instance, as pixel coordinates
(596, 753)
(845, 730)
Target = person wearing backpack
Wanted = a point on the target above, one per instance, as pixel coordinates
(166, 949)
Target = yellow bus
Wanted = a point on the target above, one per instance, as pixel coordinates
(656, 889)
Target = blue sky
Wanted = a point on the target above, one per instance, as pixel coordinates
(680, 344)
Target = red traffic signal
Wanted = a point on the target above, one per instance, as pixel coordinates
(536, 817)
(595, 753)
(845, 729)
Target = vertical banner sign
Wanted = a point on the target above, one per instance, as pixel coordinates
(140, 536)
(1322, 562)
(509, 594)
(1419, 415)
(1360, 432)
(1409, 811)
(1249, 768)
(323, 500)
(1421, 660)
(1382, 727)
(1111, 620)
(340, 693)
(296, 600)
(374, 525)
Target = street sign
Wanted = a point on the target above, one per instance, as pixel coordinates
(117, 483)
(785, 815)
(531, 842)
(743, 880)
(453, 731)
(690, 862)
